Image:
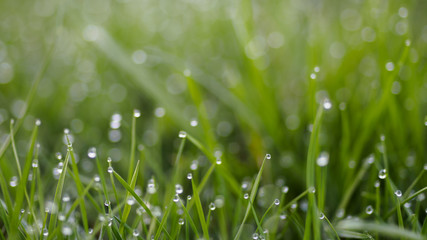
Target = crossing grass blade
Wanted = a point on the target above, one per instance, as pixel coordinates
(127, 208)
(21, 189)
(200, 212)
(251, 198)
(58, 194)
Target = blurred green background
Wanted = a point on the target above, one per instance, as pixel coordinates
(249, 74)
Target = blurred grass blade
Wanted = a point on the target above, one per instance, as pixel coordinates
(386, 230)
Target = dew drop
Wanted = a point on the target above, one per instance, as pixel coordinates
(245, 196)
(194, 123)
(285, 189)
(377, 184)
(178, 189)
(66, 230)
(389, 66)
(38, 122)
(398, 193)
(45, 232)
(188, 197)
(194, 165)
(136, 113)
(13, 181)
(66, 131)
(255, 236)
(182, 134)
(212, 206)
(35, 163)
(109, 159)
(323, 159)
(276, 202)
(91, 153)
(327, 104)
(130, 201)
(313, 76)
(58, 156)
(96, 178)
(107, 203)
(282, 216)
(268, 156)
(382, 174)
(140, 211)
(61, 217)
(321, 216)
(369, 210)
(181, 221)
(218, 161)
(66, 197)
(110, 170)
(176, 198)
(317, 69)
(135, 233)
(189, 176)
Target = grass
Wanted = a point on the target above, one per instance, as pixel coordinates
(257, 120)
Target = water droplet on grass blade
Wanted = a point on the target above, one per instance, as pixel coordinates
(110, 170)
(194, 123)
(268, 156)
(321, 216)
(382, 174)
(245, 196)
(182, 134)
(398, 193)
(130, 201)
(136, 113)
(189, 176)
(176, 198)
(255, 236)
(45, 232)
(188, 197)
(212, 206)
(91, 153)
(369, 210)
(323, 159)
(135, 233)
(285, 189)
(218, 161)
(13, 181)
(178, 189)
(327, 104)
(35, 163)
(181, 221)
(276, 202)
(66, 230)
(38, 122)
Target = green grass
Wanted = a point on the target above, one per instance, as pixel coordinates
(256, 120)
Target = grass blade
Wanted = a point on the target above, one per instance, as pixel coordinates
(199, 208)
(252, 197)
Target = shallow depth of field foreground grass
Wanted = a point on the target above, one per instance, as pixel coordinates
(212, 119)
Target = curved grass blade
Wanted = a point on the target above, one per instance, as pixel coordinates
(199, 208)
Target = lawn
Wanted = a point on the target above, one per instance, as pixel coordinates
(212, 119)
